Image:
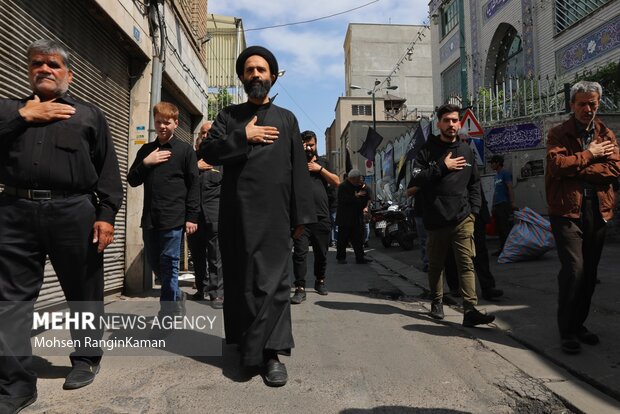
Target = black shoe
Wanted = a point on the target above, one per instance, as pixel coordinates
(275, 373)
(587, 337)
(198, 296)
(496, 253)
(15, 405)
(299, 296)
(366, 244)
(492, 293)
(364, 261)
(342, 261)
(436, 310)
(319, 286)
(473, 317)
(81, 375)
(218, 303)
(570, 345)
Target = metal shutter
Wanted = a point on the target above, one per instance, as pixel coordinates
(101, 76)
(185, 131)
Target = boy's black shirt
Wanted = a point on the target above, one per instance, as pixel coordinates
(171, 189)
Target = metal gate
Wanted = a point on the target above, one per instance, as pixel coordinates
(101, 76)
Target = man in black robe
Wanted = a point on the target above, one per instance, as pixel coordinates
(264, 197)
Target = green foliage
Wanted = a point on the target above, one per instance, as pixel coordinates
(218, 102)
(607, 75)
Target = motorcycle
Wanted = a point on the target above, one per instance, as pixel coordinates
(396, 226)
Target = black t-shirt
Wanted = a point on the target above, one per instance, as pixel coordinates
(319, 189)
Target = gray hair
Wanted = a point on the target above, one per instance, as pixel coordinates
(49, 47)
(354, 173)
(585, 87)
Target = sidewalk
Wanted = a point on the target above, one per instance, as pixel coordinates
(527, 312)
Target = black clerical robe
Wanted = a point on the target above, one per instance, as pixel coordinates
(265, 193)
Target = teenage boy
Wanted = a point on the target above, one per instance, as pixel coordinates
(169, 171)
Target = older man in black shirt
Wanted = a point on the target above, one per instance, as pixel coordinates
(62, 190)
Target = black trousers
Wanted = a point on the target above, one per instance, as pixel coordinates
(481, 260)
(207, 260)
(355, 235)
(580, 244)
(30, 230)
(317, 236)
(502, 212)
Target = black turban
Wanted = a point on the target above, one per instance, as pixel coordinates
(262, 52)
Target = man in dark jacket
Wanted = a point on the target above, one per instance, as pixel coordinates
(582, 165)
(353, 198)
(315, 234)
(447, 174)
(203, 243)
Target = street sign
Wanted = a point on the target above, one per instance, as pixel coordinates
(477, 147)
(470, 125)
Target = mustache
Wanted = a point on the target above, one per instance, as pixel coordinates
(42, 76)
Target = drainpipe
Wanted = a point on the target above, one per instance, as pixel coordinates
(463, 57)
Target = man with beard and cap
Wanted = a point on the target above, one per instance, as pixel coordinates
(264, 201)
(583, 165)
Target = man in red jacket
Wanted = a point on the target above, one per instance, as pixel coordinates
(582, 165)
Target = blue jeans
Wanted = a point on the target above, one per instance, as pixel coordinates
(162, 248)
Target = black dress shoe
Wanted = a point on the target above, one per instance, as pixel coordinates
(364, 261)
(15, 405)
(275, 373)
(81, 375)
(474, 317)
(570, 345)
(587, 337)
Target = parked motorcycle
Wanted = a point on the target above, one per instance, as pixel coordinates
(396, 226)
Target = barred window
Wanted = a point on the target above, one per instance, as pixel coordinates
(449, 17)
(569, 12)
(451, 81)
(361, 110)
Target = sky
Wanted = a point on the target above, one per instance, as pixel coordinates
(312, 53)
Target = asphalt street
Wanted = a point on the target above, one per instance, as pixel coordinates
(370, 347)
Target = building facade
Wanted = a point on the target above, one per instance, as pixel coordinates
(112, 44)
(512, 62)
(388, 84)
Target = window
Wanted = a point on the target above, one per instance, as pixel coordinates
(451, 81)
(361, 110)
(449, 17)
(569, 12)
(509, 61)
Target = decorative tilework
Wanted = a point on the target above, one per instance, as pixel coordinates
(491, 7)
(527, 37)
(597, 43)
(451, 46)
(475, 59)
(513, 137)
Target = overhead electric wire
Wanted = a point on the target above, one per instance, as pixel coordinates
(295, 102)
(312, 20)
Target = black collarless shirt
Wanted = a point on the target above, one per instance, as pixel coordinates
(74, 155)
(171, 189)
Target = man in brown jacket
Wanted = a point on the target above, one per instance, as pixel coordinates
(582, 165)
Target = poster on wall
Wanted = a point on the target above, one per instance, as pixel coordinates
(513, 137)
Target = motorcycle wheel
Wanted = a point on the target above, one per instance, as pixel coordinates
(405, 243)
(386, 241)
